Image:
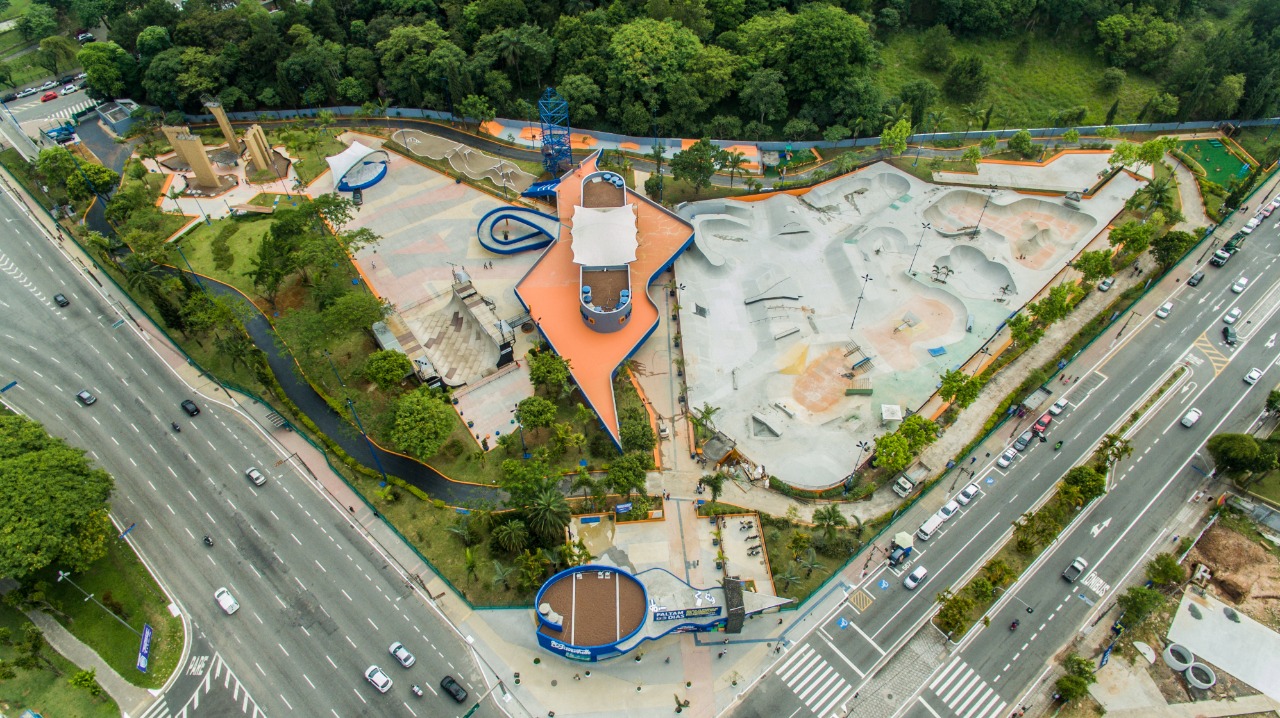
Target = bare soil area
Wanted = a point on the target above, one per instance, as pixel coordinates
(1244, 573)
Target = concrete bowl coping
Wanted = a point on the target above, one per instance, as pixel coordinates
(1201, 676)
(1178, 657)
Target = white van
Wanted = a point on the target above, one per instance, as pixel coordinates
(927, 530)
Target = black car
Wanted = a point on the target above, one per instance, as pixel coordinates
(1195, 279)
(357, 196)
(67, 80)
(9, 97)
(61, 300)
(190, 407)
(450, 686)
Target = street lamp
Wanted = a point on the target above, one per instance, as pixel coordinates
(1010, 595)
(865, 278)
(359, 425)
(924, 227)
(178, 246)
(89, 597)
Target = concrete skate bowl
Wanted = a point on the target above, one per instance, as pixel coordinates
(974, 273)
(883, 241)
(715, 236)
(867, 193)
(786, 222)
(1027, 223)
(465, 160)
(510, 230)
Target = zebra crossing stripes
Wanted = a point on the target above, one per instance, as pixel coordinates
(68, 112)
(817, 683)
(963, 691)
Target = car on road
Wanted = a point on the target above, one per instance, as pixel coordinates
(946, 512)
(1266, 211)
(226, 600)
(1059, 406)
(1006, 458)
(1076, 568)
(915, 578)
(1191, 417)
(1106, 284)
(81, 76)
(70, 89)
(401, 654)
(1220, 258)
(190, 407)
(1042, 425)
(1024, 440)
(1164, 310)
(50, 95)
(86, 398)
(1240, 284)
(1231, 316)
(27, 92)
(252, 474)
(84, 37)
(1195, 279)
(1229, 336)
(61, 300)
(1253, 376)
(967, 494)
(378, 678)
(454, 689)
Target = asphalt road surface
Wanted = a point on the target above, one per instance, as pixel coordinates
(820, 673)
(31, 108)
(318, 603)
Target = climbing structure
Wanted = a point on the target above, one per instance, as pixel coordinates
(553, 111)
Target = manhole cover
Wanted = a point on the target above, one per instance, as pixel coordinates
(553, 684)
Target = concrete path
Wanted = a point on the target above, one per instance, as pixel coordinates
(1189, 193)
(130, 698)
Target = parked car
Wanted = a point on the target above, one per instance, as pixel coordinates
(1042, 425)
(81, 76)
(27, 92)
(66, 79)
(454, 689)
(378, 678)
(70, 89)
(1253, 376)
(357, 197)
(49, 85)
(1164, 310)
(1191, 417)
(967, 494)
(86, 398)
(1195, 279)
(1106, 284)
(1059, 406)
(9, 97)
(50, 95)
(1231, 316)
(1229, 336)
(915, 578)
(1024, 440)
(946, 512)
(226, 600)
(1220, 258)
(1006, 458)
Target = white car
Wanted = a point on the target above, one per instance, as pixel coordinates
(49, 85)
(1058, 406)
(1106, 284)
(401, 654)
(378, 678)
(1253, 376)
(914, 578)
(226, 600)
(967, 494)
(1006, 458)
(946, 512)
(1191, 417)
(255, 476)
(1164, 310)
(1240, 284)
(28, 92)
(1231, 316)
(69, 89)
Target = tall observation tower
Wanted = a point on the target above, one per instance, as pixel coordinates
(553, 111)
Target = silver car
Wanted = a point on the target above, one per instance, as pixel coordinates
(915, 578)
(226, 600)
(401, 654)
(378, 678)
(255, 476)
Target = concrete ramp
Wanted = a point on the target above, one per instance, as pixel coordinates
(510, 230)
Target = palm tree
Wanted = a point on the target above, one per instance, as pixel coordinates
(972, 116)
(733, 161)
(701, 418)
(786, 576)
(828, 518)
(462, 529)
(324, 120)
(502, 574)
(936, 119)
(548, 514)
(1158, 194)
(1114, 449)
(715, 482)
(998, 572)
(810, 563)
(895, 114)
(470, 560)
(142, 274)
(582, 480)
(512, 536)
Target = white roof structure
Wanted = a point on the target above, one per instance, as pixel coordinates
(341, 164)
(605, 236)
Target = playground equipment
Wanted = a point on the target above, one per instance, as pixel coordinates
(553, 112)
(532, 230)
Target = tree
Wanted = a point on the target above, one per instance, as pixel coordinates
(1273, 401)
(1094, 265)
(90, 180)
(502, 574)
(423, 422)
(549, 373)
(534, 412)
(836, 133)
(829, 519)
(981, 589)
(918, 431)
(786, 576)
(1075, 684)
(56, 52)
(1071, 136)
(548, 515)
(715, 482)
(810, 563)
(38, 21)
(475, 110)
(387, 368)
(893, 453)
(1114, 449)
(827, 43)
(628, 473)
(53, 503)
(1021, 143)
(1234, 453)
(953, 617)
(1137, 38)
(937, 48)
(1138, 602)
(798, 128)
(1164, 570)
(972, 155)
(1089, 482)
(998, 572)
(733, 162)
(968, 78)
(765, 94)
(920, 95)
(894, 138)
(275, 262)
(511, 536)
(696, 164)
(1169, 247)
(1156, 194)
(1133, 235)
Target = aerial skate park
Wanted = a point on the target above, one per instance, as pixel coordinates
(812, 320)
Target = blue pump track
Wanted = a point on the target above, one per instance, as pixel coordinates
(542, 230)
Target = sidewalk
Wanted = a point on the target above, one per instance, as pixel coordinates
(131, 699)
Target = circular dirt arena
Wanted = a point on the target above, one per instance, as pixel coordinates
(599, 605)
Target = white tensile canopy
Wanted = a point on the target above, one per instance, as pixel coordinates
(605, 236)
(341, 164)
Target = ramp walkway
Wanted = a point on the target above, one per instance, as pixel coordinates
(510, 230)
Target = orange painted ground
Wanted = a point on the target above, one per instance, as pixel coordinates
(550, 290)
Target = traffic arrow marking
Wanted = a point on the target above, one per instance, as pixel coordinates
(1097, 528)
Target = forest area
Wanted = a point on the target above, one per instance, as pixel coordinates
(747, 69)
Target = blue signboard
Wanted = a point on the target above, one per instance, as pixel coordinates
(678, 614)
(144, 650)
(623, 508)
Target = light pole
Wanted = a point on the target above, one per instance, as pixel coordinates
(1019, 600)
(178, 246)
(978, 228)
(1126, 324)
(924, 227)
(865, 278)
(89, 597)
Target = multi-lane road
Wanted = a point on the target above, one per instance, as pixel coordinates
(984, 675)
(318, 602)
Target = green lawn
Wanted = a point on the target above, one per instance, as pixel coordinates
(1219, 164)
(123, 575)
(197, 246)
(776, 541)
(11, 41)
(1050, 77)
(675, 191)
(42, 690)
(1257, 141)
(268, 199)
(311, 157)
(15, 10)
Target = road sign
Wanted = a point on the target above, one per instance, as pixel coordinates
(144, 650)
(1106, 656)
(8, 386)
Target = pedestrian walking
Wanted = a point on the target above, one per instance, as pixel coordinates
(720, 654)
(577, 677)
(373, 265)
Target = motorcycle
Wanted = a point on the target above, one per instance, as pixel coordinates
(176, 428)
(1057, 446)
(208, 541)
(1013, 626)
(416, 691)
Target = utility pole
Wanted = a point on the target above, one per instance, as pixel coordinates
(865, 278)
(924, 227)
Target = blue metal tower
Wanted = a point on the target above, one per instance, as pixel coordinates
(553, 111)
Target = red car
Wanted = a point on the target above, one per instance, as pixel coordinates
(1042, 425)
(51, 95)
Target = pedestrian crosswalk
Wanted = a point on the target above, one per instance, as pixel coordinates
(66, 113)
(965, 693)
(818, 685)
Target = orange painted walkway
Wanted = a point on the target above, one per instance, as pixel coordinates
(550, 290)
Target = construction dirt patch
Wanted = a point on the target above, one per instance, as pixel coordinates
(1244, 573)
